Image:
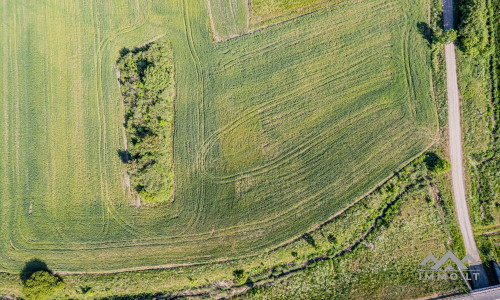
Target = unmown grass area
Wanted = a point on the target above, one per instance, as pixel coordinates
(264, 12)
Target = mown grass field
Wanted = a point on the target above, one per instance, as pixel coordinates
(275, 132)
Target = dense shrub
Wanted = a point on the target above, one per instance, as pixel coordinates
(240, 276)
(443, 166)
(449, 36)
(436, 165)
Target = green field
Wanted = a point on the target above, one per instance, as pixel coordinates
(275, 131)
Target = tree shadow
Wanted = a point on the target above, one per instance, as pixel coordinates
(331, 239)
(431, 160)
(124, 155)
(425, 30)
(309, 239)
(143, 64)
(124, 51)
(31, 267)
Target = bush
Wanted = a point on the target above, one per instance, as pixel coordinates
(42, 285)
(240, 276)
(449, 36)
(436, 165)
(443, 166)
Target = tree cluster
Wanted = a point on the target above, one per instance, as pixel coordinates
(473, 28)
(147, 87)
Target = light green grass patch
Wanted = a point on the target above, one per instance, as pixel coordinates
(242, 146)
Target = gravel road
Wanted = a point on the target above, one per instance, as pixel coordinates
(456, 154)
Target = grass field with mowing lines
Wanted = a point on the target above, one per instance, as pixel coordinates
(322, 108)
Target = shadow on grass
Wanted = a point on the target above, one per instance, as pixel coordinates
(124, 155)
(431, 160)
(31, 267)
(425, 30)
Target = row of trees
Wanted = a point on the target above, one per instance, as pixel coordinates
(147, 86)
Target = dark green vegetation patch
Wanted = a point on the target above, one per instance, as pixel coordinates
(147, 86)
